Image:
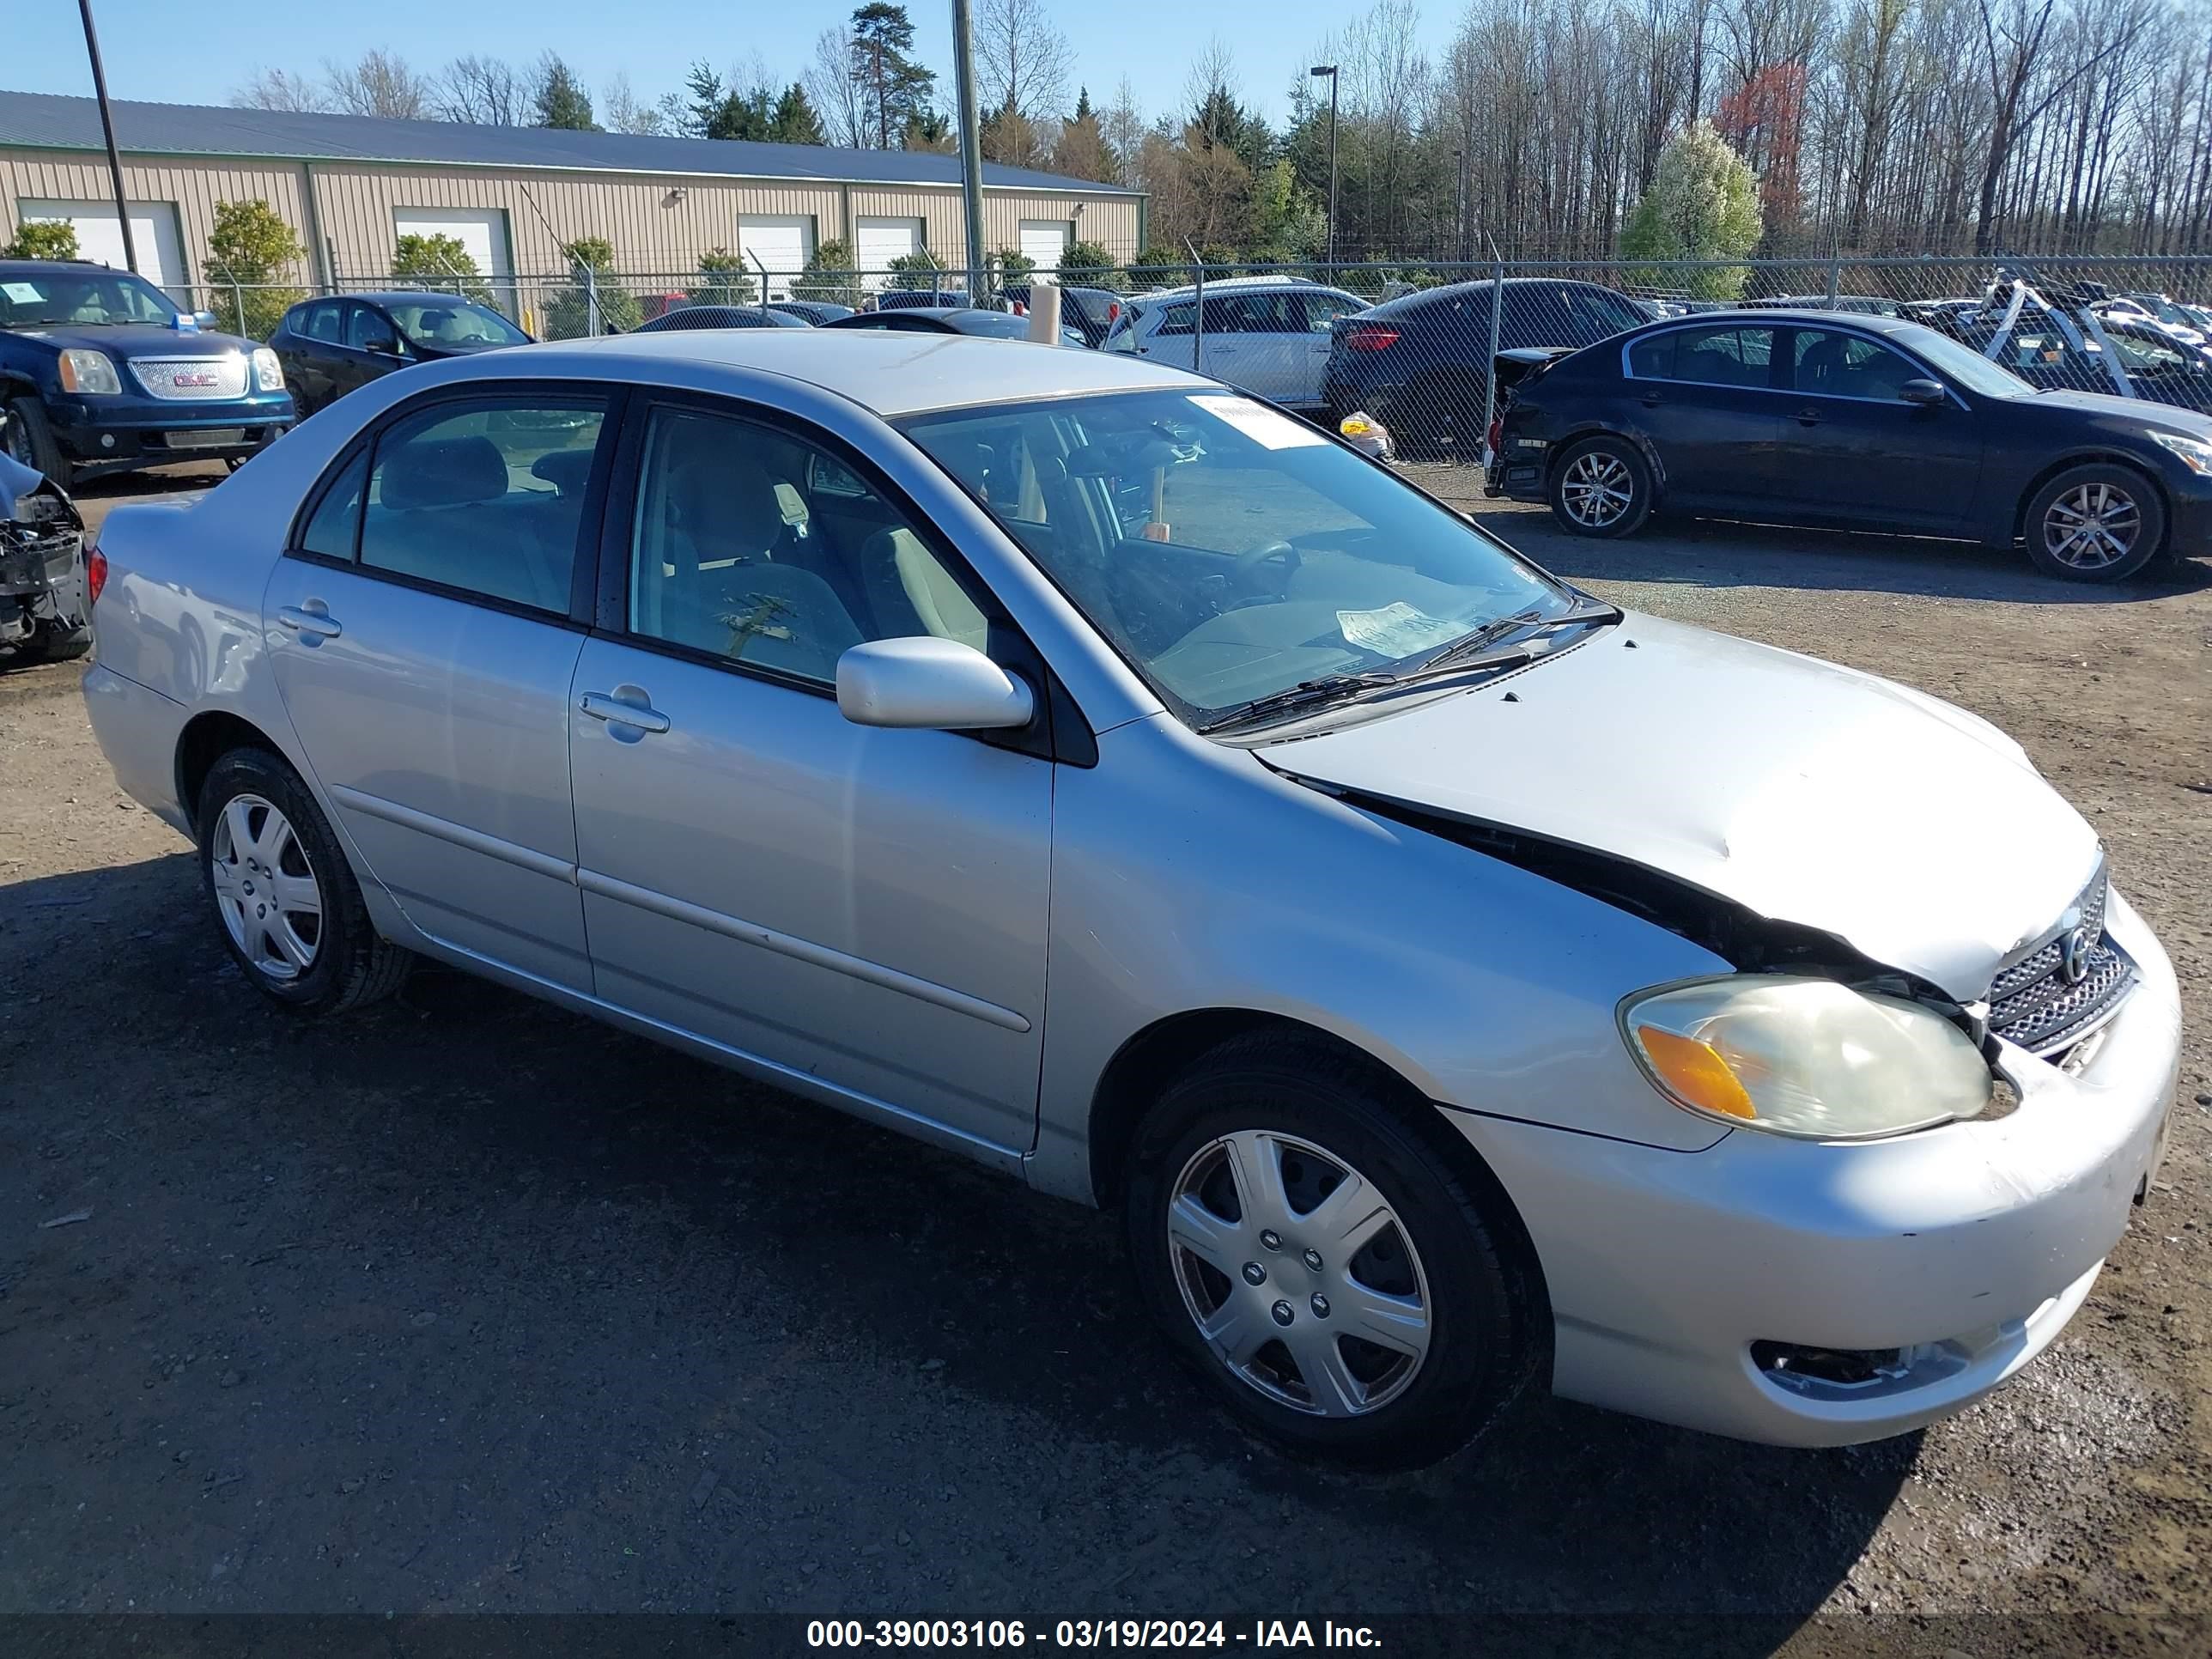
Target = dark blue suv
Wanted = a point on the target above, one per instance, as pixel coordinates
(100, 372)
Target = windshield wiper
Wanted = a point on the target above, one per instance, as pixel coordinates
(1459, 651)
(1306, 694)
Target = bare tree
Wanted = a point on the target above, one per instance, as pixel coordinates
(1122, 125)
(276, 89)
(1021, 59)
(840, 97)
(620, 111)
(488, 91)
(381, 83)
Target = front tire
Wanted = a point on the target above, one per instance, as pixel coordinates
(1305, 1247)
(31, 440)
(2097, 523)
(1602, 487)
(285, 901)
(62, 644)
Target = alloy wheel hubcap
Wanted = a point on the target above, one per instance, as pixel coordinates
(265, 890)
(1298, 1273)
(2092, 525)
(1597, 489)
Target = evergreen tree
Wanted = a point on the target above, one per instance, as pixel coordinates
(794, 121)
(562, 101)
(894, 89)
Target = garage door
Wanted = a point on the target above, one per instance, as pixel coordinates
(482, 231)
(877, 242)
(1043, 241)
(779, 243)
(153, 232)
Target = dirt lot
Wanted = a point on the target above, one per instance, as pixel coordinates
(468, 1304)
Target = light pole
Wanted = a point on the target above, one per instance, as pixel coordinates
(107, 127)
(1329, 70)
(971, 147)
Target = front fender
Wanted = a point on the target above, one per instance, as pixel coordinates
(1187, 876)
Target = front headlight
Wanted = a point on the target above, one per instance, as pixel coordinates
(2196, 456)
(1804, 1057)
(268, 372)
(85, 370)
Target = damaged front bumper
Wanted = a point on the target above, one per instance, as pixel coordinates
(1824, 1294)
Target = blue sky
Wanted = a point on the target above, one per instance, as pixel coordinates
(145, 42)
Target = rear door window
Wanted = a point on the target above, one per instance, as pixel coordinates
(320, 321)
(486, 498)
(1720, 356)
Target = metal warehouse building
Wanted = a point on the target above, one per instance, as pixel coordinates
(350, 185)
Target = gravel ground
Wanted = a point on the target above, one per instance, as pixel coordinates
(467, 1304)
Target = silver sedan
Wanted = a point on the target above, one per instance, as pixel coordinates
(1457, 983)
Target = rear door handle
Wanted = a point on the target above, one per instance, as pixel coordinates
(617, 709)
(1809, 418)
(311, 622)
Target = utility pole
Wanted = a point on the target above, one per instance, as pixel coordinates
(971, 143)
(1329, 70)
(107, 127)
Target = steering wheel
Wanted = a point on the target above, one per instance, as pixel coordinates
(1247, 562)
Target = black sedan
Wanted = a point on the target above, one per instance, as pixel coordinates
(719, 317)
(952, 319)
(329, 347)
(1861, 424)
(812, 313)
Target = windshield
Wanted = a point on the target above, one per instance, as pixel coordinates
(1968, 367)
(1228, 550)
(81, 298)
(445, 326)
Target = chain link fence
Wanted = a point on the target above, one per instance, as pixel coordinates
(1432, 349)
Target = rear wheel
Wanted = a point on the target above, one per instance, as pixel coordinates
(62, 644)
(1318, 1262)
(1601, 487)
(2097, 523)
(30, 438)
(289, 908)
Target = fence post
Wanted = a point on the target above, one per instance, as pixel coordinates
(1490, 363)
(1197, 309)
(238, 305)
(1835, 273)
(591, 302)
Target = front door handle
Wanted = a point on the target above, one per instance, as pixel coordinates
(616, 708)
(311, 620)
(1809, 418)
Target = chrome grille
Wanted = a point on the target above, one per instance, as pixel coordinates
(2033, 1003)
(184, 379)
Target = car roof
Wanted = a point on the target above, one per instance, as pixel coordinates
(1238, 285)
(889, 371)
(1768, 316)
(407, 296)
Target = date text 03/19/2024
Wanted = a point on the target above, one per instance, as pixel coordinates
(1080, 1633)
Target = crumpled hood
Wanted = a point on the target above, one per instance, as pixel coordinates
(129, 340)
(1916, 832)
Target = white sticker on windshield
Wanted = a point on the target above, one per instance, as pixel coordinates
(1269, 427)
(1397, 629)
(21, 293)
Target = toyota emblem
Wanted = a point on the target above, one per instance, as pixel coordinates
(2074, 955)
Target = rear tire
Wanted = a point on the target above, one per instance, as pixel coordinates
(31, 440)
(1601, 487)
(2095, 523)
(286, 902)
(1434, 1276)
(61, 644)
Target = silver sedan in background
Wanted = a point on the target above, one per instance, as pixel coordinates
(1455, 982)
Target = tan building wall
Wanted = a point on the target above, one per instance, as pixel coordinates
(656, 223)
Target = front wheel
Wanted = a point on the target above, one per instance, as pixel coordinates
(286, 901)
(1308, 1250)
(57, 644)
(1601, 487)
(29, 437)
(2097, 523)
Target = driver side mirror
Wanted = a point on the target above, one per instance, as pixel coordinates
(1923, 393)
(932, 685)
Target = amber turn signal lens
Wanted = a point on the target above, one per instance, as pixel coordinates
(1696, 1072)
